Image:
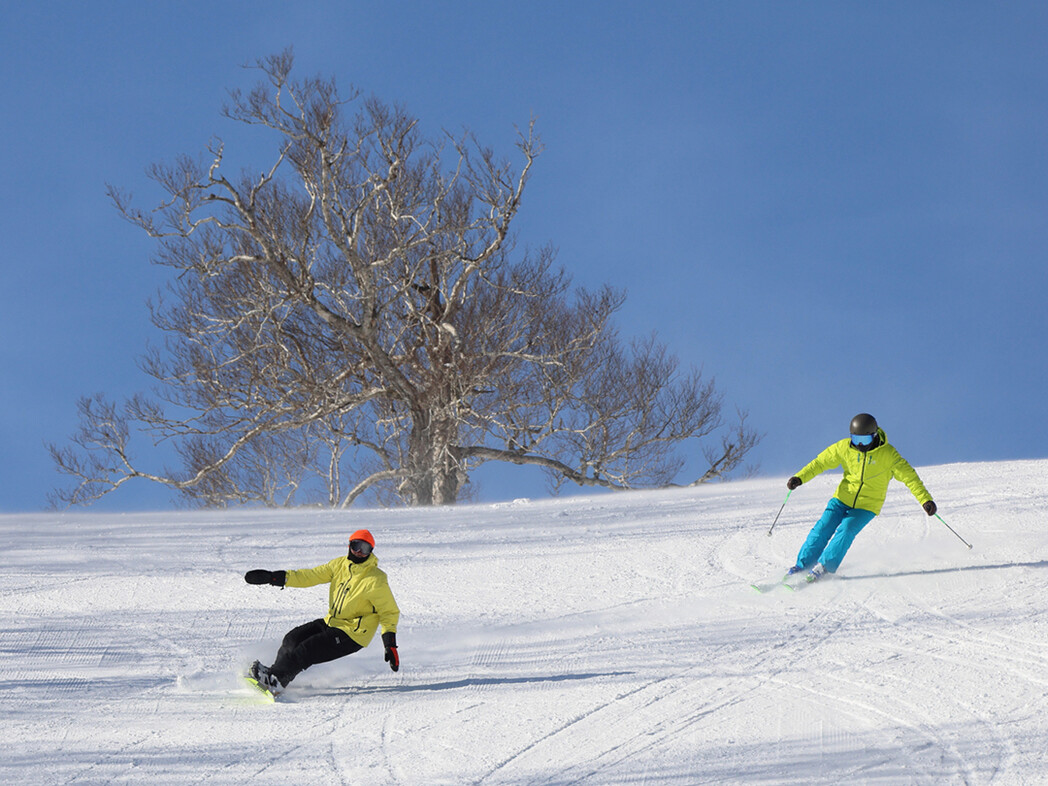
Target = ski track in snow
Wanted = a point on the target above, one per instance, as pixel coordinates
(594, 640)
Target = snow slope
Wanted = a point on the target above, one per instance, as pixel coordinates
(599, 640)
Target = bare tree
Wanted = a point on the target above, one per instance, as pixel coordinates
(357, 318)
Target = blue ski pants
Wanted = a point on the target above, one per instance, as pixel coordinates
(832, 535)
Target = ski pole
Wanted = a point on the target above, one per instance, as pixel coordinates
(780, 512)
(966, 543)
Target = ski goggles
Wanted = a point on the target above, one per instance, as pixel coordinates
(360, 548)
(862, 439)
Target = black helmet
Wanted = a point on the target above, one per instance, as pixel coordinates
(863, 424)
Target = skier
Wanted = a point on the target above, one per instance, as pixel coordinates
(359, 600)
(869, 464)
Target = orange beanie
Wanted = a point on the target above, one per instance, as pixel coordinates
(363, 534)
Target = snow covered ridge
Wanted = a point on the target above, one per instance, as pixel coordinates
(604, 639)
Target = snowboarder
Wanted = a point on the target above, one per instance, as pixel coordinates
(359, 600)
(869, 464)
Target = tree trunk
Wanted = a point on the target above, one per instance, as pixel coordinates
(435, 476)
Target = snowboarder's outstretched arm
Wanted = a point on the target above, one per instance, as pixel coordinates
(274, 577)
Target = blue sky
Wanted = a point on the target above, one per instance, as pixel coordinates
(829, 207)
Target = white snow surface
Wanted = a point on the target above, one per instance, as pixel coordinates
(605, 639)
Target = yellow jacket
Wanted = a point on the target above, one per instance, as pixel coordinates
(359, 599)
(866, 474)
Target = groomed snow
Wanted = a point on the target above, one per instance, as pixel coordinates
(608, 639)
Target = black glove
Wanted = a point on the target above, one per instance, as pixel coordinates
(793, 482)
(929, 508)
(274, 577)
(389, 641)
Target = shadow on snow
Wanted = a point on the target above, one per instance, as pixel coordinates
(935, 571)
(468, 682)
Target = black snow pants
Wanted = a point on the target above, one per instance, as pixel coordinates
(309, 644)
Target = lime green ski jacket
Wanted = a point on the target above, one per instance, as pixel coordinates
(866, 474)
(359, 598)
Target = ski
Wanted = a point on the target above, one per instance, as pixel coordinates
(797, 581)
(801, 580)
(770, 584)
(270, 697)
(790, 581)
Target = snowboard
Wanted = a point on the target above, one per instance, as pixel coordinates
(266, 692)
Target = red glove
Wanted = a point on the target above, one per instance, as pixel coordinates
(389, 641)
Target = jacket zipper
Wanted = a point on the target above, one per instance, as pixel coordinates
(340, 599)
(862, 480)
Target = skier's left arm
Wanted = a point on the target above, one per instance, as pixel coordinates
(902, 471)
